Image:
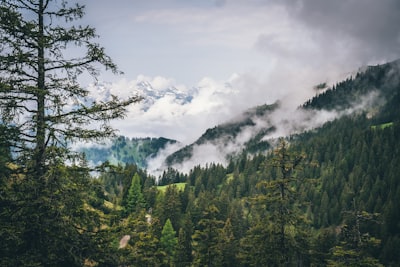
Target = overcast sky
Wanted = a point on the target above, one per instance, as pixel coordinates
(240, 53)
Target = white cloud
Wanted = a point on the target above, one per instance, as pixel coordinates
(168, 117)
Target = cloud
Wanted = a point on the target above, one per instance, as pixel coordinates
(369, 27)
(168, 116)
(189, 40)
(156, 165)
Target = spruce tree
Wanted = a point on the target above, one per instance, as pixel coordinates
(135, 200)
(206, 238)
(168, 241)
(355, 246)
(278, 206)
(183, 256)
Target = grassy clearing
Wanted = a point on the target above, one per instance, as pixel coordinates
(382, 126)
(180, 186)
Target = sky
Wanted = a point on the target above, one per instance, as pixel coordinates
(237, 53)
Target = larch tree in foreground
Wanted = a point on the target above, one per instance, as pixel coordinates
(43, 51)
(39, 91)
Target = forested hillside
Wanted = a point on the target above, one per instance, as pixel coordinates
(330, 198)
(123, 150)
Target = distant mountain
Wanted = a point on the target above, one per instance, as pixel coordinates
(151, 95)
(102, 92)
(123, 150)
(374, 91)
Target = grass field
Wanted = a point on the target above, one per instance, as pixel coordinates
(382, 126)
(180, 186)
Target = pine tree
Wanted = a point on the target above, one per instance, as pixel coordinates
(135, 200)
(285, 223)
(228, 245)
(355, 245)
(206, 238)
(168, 241)
(183, 256)
(143, 246)
(170, 207)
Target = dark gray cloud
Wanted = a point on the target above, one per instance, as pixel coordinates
(375, 25)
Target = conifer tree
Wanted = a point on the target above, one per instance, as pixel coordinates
(40, 94)
(143, 246)
(43, 53)
(355, 246)
(168, 241)
(135, 199)
(281, 204)
(184, 247)
(206, 238)
(228, 245)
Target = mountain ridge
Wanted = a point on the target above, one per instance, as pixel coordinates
(372, 91)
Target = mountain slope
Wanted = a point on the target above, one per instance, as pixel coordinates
(123, 150)
(374, 91)
(225, 136)
(383, 79)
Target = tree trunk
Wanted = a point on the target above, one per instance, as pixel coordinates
(40, 95)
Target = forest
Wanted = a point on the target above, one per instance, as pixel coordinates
(329, 196)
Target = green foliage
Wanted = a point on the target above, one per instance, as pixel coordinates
(354, 246)
(183, 255)
(228, 245)
(142, 248)
(281, 222)
(206, 238)
(168, 241)
(382, 126)
(135, 200)
(62, 229)
(170, 206)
